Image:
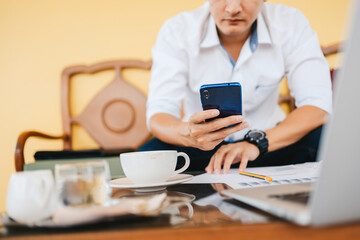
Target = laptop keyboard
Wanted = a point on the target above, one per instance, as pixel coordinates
(299, 197)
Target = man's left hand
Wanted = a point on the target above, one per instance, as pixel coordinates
(232, 153)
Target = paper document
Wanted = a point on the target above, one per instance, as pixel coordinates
(305, 172)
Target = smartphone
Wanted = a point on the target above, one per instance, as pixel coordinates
(226, 97)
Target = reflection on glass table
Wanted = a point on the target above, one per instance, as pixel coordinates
(201, 204)
(211, 208)
(185, 205)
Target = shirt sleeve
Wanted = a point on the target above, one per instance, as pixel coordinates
(307, 71)
(169, 72)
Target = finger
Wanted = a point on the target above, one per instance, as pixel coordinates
(210, 167)
(214, 138)
(220, 135)
(230, 157)
(244, 161)
(200, 117)
(221, 123)
(214, 186)
(219, 187)
(208, 136)
(235, 128)
(219, 158)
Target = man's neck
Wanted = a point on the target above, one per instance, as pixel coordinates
(233, 39)
(234, 44)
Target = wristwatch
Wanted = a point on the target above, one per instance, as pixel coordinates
(259, 139)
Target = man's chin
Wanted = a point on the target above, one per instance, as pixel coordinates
(234, 30)
(234, 33)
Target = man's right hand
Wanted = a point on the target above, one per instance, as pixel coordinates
(207, 135)
(196, 133)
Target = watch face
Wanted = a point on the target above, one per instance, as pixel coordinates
(256, 135)
(258, 138)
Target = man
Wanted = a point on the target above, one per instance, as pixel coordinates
(253, 43)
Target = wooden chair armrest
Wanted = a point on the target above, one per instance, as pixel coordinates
(287, 99)
(20, 145)
(284, 99)
(332, 49)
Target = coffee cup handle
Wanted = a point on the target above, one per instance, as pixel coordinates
(46, 187)
(186, 165)
(190, 208)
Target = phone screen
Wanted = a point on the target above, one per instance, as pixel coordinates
(226, 97)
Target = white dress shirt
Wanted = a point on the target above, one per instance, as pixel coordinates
(188, 54)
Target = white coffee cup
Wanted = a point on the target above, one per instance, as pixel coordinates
(152, 166)
(31, 196)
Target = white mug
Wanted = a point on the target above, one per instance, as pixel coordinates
(152, 166)
(31, 196)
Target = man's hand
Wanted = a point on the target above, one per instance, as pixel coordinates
(207, 135)
(232, 153)
(196, 133)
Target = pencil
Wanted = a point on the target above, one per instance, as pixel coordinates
(268, 179)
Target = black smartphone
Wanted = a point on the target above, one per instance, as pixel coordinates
(226, 97)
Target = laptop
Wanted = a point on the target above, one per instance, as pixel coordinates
(335, 197)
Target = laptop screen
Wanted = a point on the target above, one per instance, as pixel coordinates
(337, 193)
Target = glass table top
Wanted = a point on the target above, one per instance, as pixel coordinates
(189, 205)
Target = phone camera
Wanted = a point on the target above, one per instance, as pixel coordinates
(206, 94)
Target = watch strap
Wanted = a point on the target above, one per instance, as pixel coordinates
(262, 143)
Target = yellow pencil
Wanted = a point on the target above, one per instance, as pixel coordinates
(268, 179)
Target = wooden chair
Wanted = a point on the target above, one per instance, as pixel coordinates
(327, 51)
(114, 118)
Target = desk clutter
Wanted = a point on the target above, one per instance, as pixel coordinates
(79, 193)
(72, 216)
(83, 192)
(295, 173)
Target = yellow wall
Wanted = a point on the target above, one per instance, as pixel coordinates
(40, 37)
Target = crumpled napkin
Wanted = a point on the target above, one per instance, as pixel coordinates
(67, 216)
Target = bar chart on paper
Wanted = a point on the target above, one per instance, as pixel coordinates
(305, 172)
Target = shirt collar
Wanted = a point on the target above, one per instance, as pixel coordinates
(211, 37)
(261, 33)
(254, 37)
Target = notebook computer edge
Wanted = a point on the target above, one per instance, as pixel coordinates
(314, 213)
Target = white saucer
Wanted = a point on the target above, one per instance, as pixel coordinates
(151, 187)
